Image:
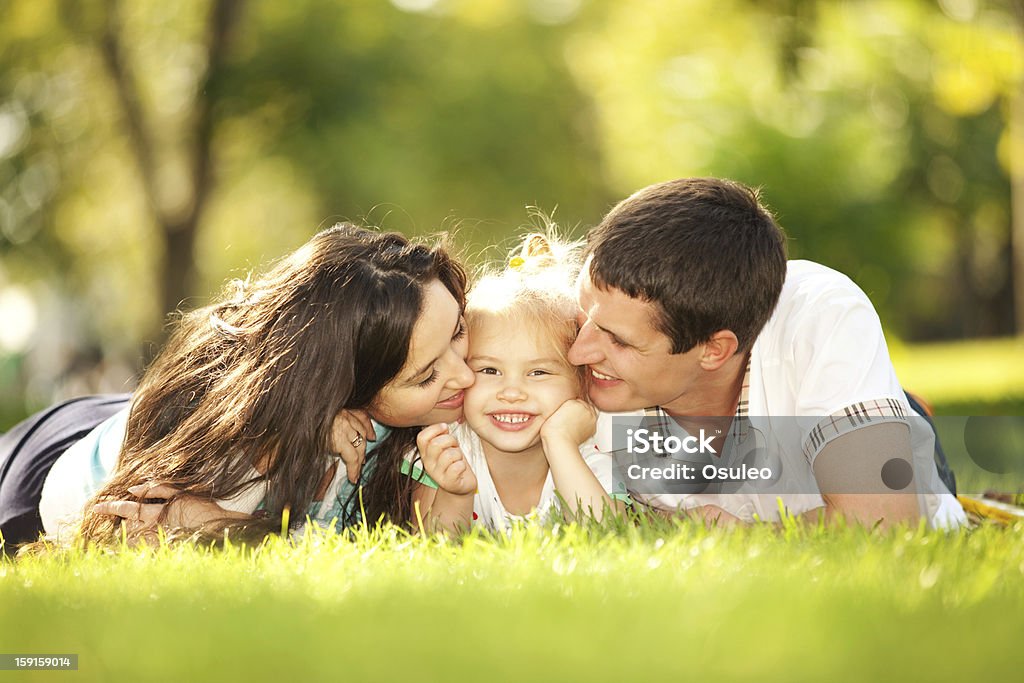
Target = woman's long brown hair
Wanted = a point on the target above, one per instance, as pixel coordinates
(257, 378)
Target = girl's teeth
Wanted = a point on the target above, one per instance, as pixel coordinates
(600, 376)
(512, 419)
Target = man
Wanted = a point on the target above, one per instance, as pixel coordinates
(689, 309)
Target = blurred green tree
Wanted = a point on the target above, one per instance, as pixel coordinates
(872, 127)
(197, 139)
(147, 151)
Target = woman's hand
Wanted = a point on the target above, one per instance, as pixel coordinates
(350, 432)
(184, 511)
(575, 421)
(444, 461)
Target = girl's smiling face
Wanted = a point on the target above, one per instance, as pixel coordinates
(521, 379)
(429, 388)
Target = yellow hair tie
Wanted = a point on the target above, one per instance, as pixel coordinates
(516, 262)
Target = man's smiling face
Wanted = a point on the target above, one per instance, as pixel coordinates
(630, 360)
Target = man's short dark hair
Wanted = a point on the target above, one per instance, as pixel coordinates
(704, 251)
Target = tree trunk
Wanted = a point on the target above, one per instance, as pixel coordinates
(178, 229)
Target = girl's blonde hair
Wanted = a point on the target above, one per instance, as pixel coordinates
(535, 289)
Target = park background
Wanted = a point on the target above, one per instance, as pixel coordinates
(151, 151)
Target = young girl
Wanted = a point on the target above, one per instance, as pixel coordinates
(524, 447)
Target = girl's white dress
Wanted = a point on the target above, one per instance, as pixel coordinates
(488, 509)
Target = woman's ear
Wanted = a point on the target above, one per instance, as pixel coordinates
(722, 346)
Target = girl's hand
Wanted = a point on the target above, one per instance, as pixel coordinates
(444, 461)
(183, 511)
(575, 421)
(350, 432)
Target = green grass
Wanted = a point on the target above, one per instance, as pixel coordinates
(621, 603)
(982, 376)
(1003, 405)
(661, 602)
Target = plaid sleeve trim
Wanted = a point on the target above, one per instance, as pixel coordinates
(743, 405)
(851, 418)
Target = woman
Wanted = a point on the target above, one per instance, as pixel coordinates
(251, 402)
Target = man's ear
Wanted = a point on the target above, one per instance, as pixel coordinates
(722, 346)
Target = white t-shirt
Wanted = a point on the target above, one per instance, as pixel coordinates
(488, 510)
(78, 474)
(86, 466)
(819, 369)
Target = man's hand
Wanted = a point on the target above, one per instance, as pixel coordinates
(444, 461)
